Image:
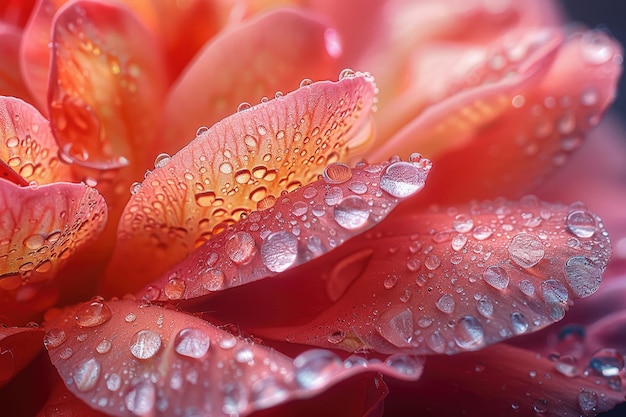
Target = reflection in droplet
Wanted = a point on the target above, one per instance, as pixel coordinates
(279, 251)
(192, 342)
(86, 375)
(526, 250)
(468, 333)
(145, 344)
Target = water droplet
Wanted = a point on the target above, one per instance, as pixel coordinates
(202, 130)
(589, 97)
(518, 101)
(596, 47)
(555, 295)
(407, 365)
(244, 105)
(226, 168)
(213, 280)
(526, 250)
(540, 406)
(114, 382)
(130, 317)
(161, 160)
(463, 223)
(458, 242)
(482, 232)
(468, 333)
(336, 337)
(526, 287)
(54, 338)
(135, 187)
(279, 251)
(582, 275)
(205, 198)
(175, 289)
(240, 247)
(436, 342)
(587, 400)
(581, 223)
(402, 179)
(390, 281)
(445, 303)
(519, 323)
(346, 73)
(145, 344)
(92, 313)
(104, 346)
(305, 82)
(192, 342)
(607, 362)
(397, 327)
(485, 307)
(141, 398)
(35, 241)
(337, 173)
(86, 375)
(333, 196)
(299, 208)
(228, 342)
(432, 262)
(497, 277)
(315, 368)
(352, 212)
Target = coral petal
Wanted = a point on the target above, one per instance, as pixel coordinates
(302, 226)
(273, 52)
(18, 345)
(39, 229)
(106, 85)
(525, 383)
(27, 145)
(241, 163)
(126, 358)
(442, 281)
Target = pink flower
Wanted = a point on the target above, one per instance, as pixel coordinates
(274, 271)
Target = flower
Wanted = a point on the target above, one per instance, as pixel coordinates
(268, 262)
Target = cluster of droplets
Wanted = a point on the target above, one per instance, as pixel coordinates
(300, 226)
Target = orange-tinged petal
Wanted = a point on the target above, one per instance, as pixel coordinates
(301, 226)
(106, 85)
(11, 83)
(18, 345)
(128, 358)
(27, 145)
(501, 381)
(240, 163)
(40, 227)
(270, 53)
(440, 281)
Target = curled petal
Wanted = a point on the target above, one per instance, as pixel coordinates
(27, 145)
(273, 52)
(126, 358)
(106, 85)
(442, 281)
(240, 163)
(40, 228)
(18, 345)
(301, 226)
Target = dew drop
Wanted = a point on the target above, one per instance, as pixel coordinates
(104, 346)
(336, 337)
(485, 307)
(333, 196)
(445, 303)
(35, 241)
(337, 173)
(432, 262)
(161, 160)
(346, 73)
(587, 400)
(202, 130)
(130, 317)
(519, 323)
(86, 375)
(54, 338)
(526, 287)
(135, 187)
(92, 313)
(581, 223)
(114, 382)
(463, 223)
(244, 105)
(205, 199)
(607, 362)
(497, 277)
(240, 247)
(402, 179)
(226, 168)
(141, 398)
(192, 342)
(555, 295)
(482, 232)
(352, 212)
(213, 280)
(596, 47)
(279, 251)
(305, 82)
(582, 275)
(397, 327)
(315, 368)
(458, 242)
(407, 365)
(436, 342)
(468, 333)
(526, 250)
(175, 289)
(540, 406)
(145, 344)
(390, 281)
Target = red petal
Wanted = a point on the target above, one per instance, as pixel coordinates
(11, 83)
(241, 162)
(435, 282)
(27, 145)
(106, 85)
(18, 345)
(302, 226)
(39, 229)
(126, 358)
(16, 12)
(500, 381)
(273, 52)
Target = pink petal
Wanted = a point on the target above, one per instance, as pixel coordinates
(442, 281)
(27, 145)
(18, 346)
(500, 381)
(272, 52)
(524, 129)
(301, 226)
(126, 358)
(241, 163)
(40, 228)
(106, 85)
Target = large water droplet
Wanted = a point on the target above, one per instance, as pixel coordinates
(279, 251)
(192, 342)
(145, 344)
(86, 375)
(526, 250)
(587, 400)
(445, 303)
(92, 313)
(582, 275)
(352, 212)
(315, 368)
(240, 247)
(497, 277)
(402, 179)
(337, 173)
(468, 333)
(213, 280)
(54, 338)
(141, 398)
(581, 223)
(161, 160)
(607, 362)
(397, 327)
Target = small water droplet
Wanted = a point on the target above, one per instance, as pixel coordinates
(279, 251)
(596, 47)
(130, 317)
(482, 232)
(485, 307)
(104, 346)
(205, 198)
(336, 337)
(432, 262)
(240, 247)
(305, 82)
(526, 287)
(315, 368)
(458, 242)
(213, 280)
(352, 212)
(54, 338)
(114, 382)
(445, 303)
(555, 296)
(346, 73)
(145, 344)
(228, 342)
(519, 323)
(243, 106)
(497, 277)
(337, 173)
(161, 160)
(407, 365)
(390, 281)
(141, 398)
(403, 179)
(202, 130)
(587, 400)
(607, 362)
(86, 375)
(92, 313)
(226, 168)
(540, 406)
(135, 187)
(463, 223)
(397, 327)
(192, 342)
(175, 288)
(581, 223)
(526, 250)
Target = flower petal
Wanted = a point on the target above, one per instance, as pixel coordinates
(11, 83)
(273, 52)
(442, 281)
(39, 229)
(27, 145)
(16, 12)
(302, 226)
(126, 358)
(516, 382)
(18, 345)
(241, 162)
(106, 85)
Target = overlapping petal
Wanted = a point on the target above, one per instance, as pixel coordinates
(242, 162)
(18, 345)
(11, 83)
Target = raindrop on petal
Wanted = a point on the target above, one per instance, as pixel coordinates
(145, 344)
(526, 250)
(192, 342)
